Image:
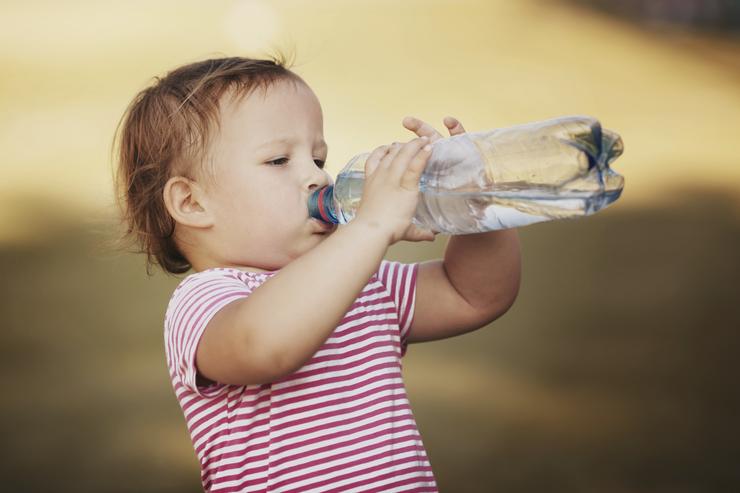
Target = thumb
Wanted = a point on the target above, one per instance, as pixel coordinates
(453, 125)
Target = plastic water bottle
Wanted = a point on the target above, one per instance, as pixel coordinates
(499, 179)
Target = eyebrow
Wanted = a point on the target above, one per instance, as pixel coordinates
(286, 140)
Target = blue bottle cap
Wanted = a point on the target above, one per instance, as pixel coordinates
(321, 205)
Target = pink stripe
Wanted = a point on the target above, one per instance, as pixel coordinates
(350, 353)
(341, 413)
(353, 441)
(363, 336)
(327, 448)
(390, 320)
(389, 486)
(409, 296)
(238, 475)
(392, 420)
(329, 470)
(253, 413)
(366, 293)
(225, 426)
(338, 378)
(212, 431)
(346, 355)
(247, 452)
(397, 408)
(210, 446)
(196, 406)
(328, 369)
(358, 462)
(401, 293)
(388, 278)
(390, 442)
(385, 310)
(341, 399)
(246, 394)
(239, 487)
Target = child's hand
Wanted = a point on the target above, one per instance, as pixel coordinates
(391, 190)
(422, 128)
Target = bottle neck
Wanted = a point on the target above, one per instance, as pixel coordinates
(321, 205)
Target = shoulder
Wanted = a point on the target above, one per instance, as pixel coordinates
(206, 285)
(394, 274)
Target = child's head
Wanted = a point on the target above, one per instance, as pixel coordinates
(203, 179)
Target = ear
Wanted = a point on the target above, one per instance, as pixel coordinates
(185, 201)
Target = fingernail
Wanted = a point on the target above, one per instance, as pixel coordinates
(427, 147)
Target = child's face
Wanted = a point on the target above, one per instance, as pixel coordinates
(260, 208)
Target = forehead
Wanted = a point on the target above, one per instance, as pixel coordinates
(285, 110)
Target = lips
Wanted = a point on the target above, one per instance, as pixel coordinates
(321, 227)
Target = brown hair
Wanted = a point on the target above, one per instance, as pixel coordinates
(165, 132)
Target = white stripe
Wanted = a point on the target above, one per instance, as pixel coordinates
(278, 471)
(377, 360)
(335, 362)
(346, 470)
(198, 411)
(370, 317)
(394, 376)
(355, 345)
(377, 323)
(223, 464)
(216, 428)
(425, 479)
(217, 444)
(335, 420)
(407, 437)
(342, 427)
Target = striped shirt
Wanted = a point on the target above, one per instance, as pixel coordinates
(341, 423)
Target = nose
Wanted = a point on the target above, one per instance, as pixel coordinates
(318, 178)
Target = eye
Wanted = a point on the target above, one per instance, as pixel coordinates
(281, 161)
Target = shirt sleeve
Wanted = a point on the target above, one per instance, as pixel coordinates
(400, 280)
(192, 306)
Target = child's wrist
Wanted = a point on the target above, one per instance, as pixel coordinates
(371, 230)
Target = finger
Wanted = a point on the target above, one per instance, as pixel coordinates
(415, 233)
(421, 128)
(390, 155)
(371, 164)
(453, 125)
(406, 154)
(412, 173)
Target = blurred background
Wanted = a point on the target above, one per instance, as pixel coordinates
(615, 371)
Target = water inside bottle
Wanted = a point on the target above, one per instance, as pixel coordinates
(462, 213)
(503, 206)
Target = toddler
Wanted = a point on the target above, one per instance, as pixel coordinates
(284, 345)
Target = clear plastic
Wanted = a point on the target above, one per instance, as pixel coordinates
(502, 178)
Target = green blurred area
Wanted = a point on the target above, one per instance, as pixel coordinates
(615, 370)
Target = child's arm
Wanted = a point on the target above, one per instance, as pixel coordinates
(476, 283)
(282, 324)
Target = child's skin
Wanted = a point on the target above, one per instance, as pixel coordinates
(251, 214)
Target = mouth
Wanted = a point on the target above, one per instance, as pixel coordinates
(322, 228)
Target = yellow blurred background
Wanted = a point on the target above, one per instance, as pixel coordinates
(613, 371)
